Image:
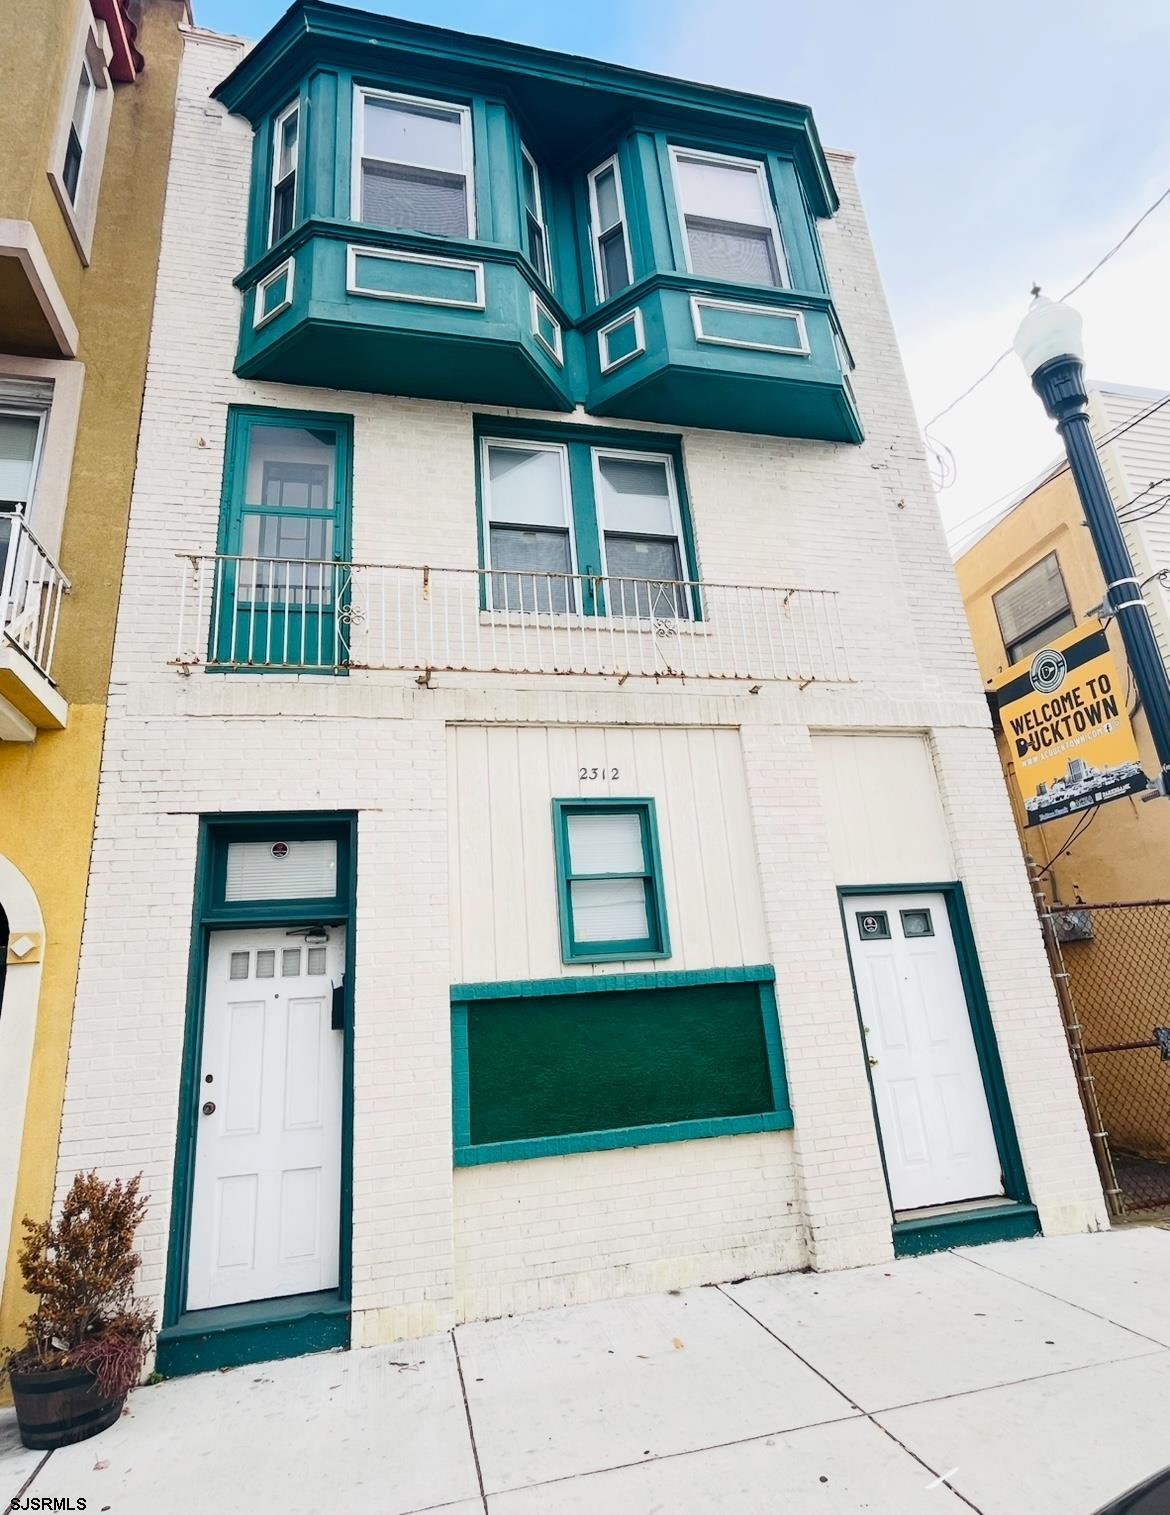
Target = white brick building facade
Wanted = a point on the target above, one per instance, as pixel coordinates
(433, 1244)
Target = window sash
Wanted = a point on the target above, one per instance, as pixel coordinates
(609, 280)
(423, 172)
(511, 587)
(78, 133)
(537, 237)
(12, 501)
(651, 597)
(577, 948)
(283, 208)
(706, 218)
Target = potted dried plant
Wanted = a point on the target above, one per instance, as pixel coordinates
(87, 1339)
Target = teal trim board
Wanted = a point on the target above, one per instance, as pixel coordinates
(310, 1322)
(547, 1067)
(987, 1049)
(965, 1228)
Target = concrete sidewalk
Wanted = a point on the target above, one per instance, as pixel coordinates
(1017, 1379)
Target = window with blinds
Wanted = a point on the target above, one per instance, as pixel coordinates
(641, 534)
(528, 528)
(1033, 609)
(727, 213)
(414, 166)
(609, 880)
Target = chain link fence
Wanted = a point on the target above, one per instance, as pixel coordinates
(1117, 958)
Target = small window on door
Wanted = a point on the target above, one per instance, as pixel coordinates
(728, 218)
(641, 534)
(609, 881)
(607, 220)
(285, 153)
(414, 165)
(529, 537)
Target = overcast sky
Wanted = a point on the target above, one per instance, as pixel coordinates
(997, 144)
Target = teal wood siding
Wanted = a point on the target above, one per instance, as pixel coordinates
(547, 1067)
(331, 335)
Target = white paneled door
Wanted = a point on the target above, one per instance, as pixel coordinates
(932, 1107)
(266, 1208)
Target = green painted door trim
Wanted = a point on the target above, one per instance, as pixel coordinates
(986, 1046)
(656, 944)
(263, 1331)
(965, 1228)
(210, 912)
(780, 1118)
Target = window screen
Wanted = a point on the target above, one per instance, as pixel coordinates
(643, 554)
(416, 170)
(728, 218)
(1033, 609)
(528, 529)
(280, 870)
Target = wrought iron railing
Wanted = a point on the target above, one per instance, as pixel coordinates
(268, 613)
(31, 590)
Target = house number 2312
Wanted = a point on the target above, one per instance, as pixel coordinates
(597, 773)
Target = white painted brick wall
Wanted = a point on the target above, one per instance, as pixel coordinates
(430, 1246)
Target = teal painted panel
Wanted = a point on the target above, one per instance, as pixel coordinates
(546, 328)
(273, 294)
(749, 326)
(552, 1066)
(410, 279)
(973, 1229)
(621, 341)
(265, 1331)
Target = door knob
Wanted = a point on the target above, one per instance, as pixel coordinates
(209, 1107)
(873, 1062)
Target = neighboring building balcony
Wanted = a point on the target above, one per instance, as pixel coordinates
(242, 614)
(31, 589)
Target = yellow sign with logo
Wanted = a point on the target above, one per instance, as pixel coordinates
(1063, 714)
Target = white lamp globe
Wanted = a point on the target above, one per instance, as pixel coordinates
(1051, 329)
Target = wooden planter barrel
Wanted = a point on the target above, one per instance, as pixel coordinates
(56, 1409)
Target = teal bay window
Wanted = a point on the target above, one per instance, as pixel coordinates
(610, 894)
(584, 526)
(282, 585)
(413, 164)
(729, 221)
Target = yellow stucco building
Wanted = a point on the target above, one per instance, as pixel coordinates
(1032, 574)
(87, 100)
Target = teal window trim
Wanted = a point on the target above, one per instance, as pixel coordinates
(780, 1118)
(982, 1027)
(210, 912)
(241, 420)
(656, 943)
(580, 444)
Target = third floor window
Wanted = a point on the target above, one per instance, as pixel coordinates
(728, 218)
(413, 164)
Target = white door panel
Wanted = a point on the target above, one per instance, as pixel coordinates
(928, 1087)
(267, 1196)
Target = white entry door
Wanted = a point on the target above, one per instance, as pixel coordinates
(266, 1208)
(936, 1128)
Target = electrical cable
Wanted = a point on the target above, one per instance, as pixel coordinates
(1077, 832)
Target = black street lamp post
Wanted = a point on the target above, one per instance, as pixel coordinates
(1049, 346)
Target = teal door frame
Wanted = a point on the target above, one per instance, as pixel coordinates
(212, 913)
(986, 1047)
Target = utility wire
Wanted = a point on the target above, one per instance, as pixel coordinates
(1074, 835)
(947, 465)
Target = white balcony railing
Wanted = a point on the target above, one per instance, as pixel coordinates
(31, 589)
(238, 612)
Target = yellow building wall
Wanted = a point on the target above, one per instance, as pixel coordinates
(49, 787)
(1124, 853)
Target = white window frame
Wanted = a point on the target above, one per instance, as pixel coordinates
(699, 303)
(595, 230)
(293, 108)
(259, 316)
(635, 317)
(45, 510)
(759, 168)
(40, 412)
(627, 455)
(547, 276)
(521, 444)
(555, 350)
(361, 94)
(92, 51)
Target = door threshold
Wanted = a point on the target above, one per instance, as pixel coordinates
(971, 1225)
(261, 1330)
(954, 1207)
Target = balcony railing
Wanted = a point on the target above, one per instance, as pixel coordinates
(325, 617)
(31, 589)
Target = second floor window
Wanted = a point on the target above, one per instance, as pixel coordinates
(285, 135)
(730, 226)
(21, 429)
(1033, 609)
(413, 165)
(78, 134)
(607, 220)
